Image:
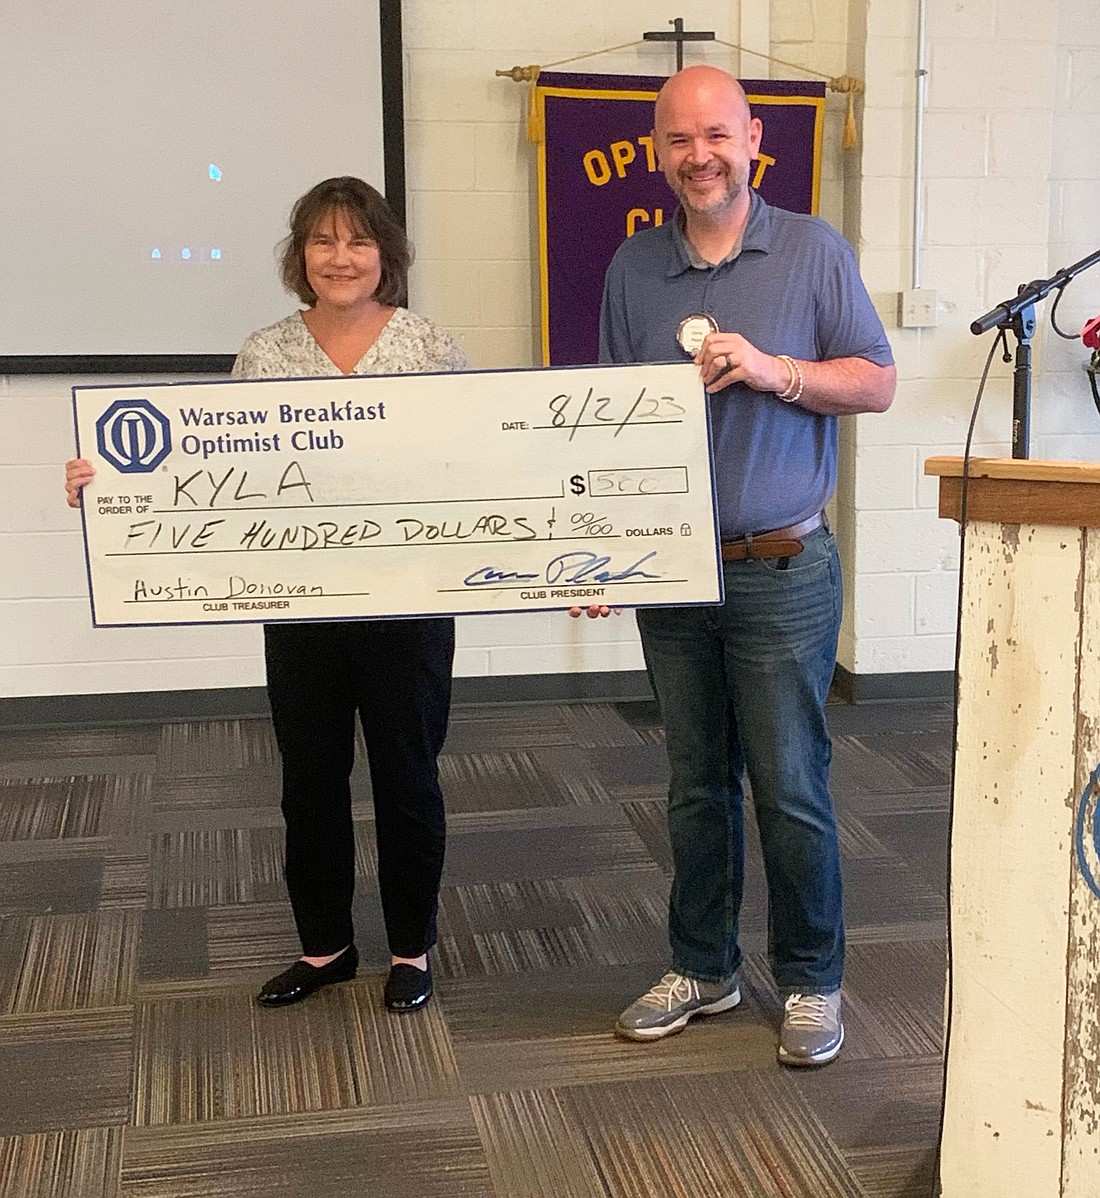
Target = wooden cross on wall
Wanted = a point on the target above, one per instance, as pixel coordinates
(679, 35)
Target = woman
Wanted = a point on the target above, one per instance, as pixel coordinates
(347, 260)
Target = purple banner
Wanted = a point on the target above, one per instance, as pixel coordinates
(599, 183)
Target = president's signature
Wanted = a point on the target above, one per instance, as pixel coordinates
(567, 569)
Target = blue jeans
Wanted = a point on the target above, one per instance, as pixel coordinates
(742, 687)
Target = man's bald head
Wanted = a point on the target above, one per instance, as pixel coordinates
(714, 88)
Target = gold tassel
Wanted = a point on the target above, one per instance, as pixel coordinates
(851, 139)
(848, 85)
(536, 114)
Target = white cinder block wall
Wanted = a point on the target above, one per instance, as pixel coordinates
(1065, 421)
(1012, 192)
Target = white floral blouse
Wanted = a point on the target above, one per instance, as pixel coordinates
(408, 344)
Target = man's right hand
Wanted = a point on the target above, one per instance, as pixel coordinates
(79, 472)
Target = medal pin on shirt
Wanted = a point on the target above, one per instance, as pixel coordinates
(693, 330)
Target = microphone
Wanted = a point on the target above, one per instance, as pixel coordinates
(1090, 334)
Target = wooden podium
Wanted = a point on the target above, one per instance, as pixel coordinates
(1022, 1108)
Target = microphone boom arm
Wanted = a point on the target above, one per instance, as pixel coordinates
(1017, 314)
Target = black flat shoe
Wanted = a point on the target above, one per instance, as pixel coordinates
(302, 979)
(407, 988)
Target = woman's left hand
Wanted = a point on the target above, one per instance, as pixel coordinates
(79, 472)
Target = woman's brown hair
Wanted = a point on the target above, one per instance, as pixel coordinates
(368, 213)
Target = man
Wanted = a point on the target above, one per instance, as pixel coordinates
(771, 307)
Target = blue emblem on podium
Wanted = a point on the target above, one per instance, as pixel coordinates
(1088, 830)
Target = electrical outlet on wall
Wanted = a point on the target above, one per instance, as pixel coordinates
(917, 308)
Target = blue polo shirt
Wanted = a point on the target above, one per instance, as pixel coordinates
(794, 289)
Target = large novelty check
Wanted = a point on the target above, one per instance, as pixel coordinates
(398, 495)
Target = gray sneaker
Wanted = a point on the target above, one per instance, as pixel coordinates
(671, 1003)
(812, 1032)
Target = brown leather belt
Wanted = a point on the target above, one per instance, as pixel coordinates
(778, 542)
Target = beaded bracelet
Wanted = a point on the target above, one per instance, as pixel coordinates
(793, 391)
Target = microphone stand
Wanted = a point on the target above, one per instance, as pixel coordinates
(1017, 315)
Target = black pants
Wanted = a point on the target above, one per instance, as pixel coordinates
(397, 675)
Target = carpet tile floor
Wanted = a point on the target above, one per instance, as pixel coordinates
(141, 904)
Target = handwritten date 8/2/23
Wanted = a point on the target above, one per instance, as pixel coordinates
(606, 411)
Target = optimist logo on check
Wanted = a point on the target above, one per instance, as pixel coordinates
(133, 436)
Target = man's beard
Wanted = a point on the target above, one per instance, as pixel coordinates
(718, 204)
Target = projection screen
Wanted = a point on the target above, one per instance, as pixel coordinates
(149, 156)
